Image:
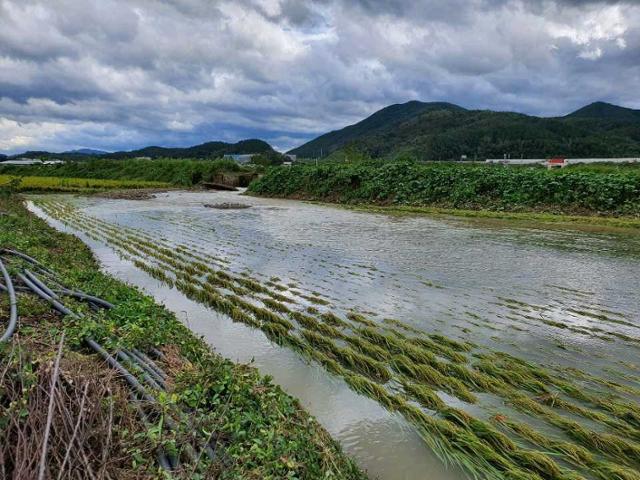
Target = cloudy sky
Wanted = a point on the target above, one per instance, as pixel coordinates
(121, 74)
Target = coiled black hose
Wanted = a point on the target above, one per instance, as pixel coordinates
(13, 305)
(150, 372)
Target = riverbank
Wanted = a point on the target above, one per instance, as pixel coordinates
(261, 431)
(572, 196)
(544, 220)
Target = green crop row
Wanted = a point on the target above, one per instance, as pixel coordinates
(177, 172)
(459, 186)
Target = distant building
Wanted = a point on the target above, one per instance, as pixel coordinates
(291, 157)
(22, 162)
(142, 158)
(559, 162)
(287, 164)
(53, 161)
(519, 161)
(241, 158)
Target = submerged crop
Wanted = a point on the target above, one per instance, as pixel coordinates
(434, 380)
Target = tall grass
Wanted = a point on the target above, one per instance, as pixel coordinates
(48, 184)
(177, 172)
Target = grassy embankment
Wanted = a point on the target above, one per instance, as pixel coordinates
(261, 432)
(575, 195)
(176, 172)
(72, 185)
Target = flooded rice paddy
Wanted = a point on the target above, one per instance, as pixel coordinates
(430, 348)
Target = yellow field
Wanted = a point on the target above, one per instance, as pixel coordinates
(63, 184)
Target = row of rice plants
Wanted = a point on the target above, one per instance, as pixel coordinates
(421, 365)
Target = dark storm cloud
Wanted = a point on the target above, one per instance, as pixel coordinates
(126, 73)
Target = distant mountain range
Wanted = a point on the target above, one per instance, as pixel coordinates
(204, 150)
(86, 151)
(437, 131)
(443, 131)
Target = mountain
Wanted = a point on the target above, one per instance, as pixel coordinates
(382, 120)
(86, 151)
(442, 131)
(204, 150)
(603, 110)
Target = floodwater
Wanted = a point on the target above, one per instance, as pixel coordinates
(498, 285)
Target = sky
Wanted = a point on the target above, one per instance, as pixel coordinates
(123, 74)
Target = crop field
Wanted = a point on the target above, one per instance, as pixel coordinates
(63, 184)
(585, 191)
(496, 414)
(183, 172)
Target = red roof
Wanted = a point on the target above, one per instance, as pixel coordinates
(557, 160)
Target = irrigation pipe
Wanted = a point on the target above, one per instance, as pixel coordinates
(13, 305)
(151, 373)
(66, 292)
(29, 259)
(41, 285)
(151, 363)
(161, 456)
(42, 294)
(139, 389)
(89, 298)
(122, 356)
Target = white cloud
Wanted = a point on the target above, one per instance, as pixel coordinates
(125, 73)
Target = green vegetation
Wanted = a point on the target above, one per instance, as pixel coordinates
(208, 150)
(458, 186)
(176, 172)
(442, 131)
(261, 432)
(55, 184)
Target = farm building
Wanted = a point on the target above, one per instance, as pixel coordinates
(560, 162)
(22, 162)
(240, 158)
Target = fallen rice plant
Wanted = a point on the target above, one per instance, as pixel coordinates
(420, 362)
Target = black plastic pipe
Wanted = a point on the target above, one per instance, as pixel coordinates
(125, 357)
(40, 289)
(13, 305)
(29, 259)
(31, 276)
(151, 363)
(161, 456)
(88, 298)
(152, 373)
(42, 294)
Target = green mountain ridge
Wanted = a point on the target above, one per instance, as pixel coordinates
(205, 150)
(443, 131)
(605, 110)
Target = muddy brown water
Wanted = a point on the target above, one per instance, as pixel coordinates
(496, 285)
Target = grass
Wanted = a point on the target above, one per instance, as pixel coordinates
(76, 185)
